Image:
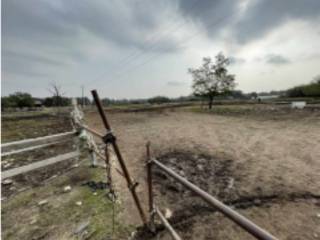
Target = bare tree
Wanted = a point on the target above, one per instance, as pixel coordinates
(56, 92)
(212, 79)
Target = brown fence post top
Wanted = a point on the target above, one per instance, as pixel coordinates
(100, 109)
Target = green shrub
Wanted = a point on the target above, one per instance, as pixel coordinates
(18, 99)
(308, 90)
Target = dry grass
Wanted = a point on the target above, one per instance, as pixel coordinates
(23, 218)
(274, 151)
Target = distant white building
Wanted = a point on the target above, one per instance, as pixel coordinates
(266, 97)
(298, 105)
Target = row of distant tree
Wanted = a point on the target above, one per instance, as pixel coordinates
(25, 100)
(153, 100)
(307, 90)
(210, 81)
(21, 100)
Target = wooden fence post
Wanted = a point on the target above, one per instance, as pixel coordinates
(150, 191)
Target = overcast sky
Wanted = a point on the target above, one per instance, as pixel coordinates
(143, 48)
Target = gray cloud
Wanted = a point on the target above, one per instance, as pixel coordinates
(236, 60)
(123, 23)
(276, 59)
(175, 83)
(74, 41)
(265, 15)
(27, 58)
(48, 39)
(212, 14)
(259, 18)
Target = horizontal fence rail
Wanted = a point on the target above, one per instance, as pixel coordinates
(36, 165)
(27, 149)
(240, 220)
(167, 225)
(5, 147)
(94, 132)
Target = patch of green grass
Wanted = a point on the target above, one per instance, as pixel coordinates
(22, 199)
(14, 129)
(59, 218)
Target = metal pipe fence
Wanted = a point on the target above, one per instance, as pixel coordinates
(167, 225)
(110, 139)
(233, 215)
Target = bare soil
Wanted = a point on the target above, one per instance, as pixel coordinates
(36, 178)
(264, 164)
(60, 216)
(25, 158)
(18, 127)
(36, 206)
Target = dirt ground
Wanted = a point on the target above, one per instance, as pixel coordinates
(35, 205)
(263, 162)
(18, 126)
(35, 124)
(17, 160)
(47, 211)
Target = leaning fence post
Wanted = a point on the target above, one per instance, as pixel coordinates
(150, 191)
(109, 138)
(108, 165)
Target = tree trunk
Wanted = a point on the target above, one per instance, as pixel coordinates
(210, 102)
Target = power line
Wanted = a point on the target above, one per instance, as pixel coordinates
(153, 46)
(154, 41)
(195, 34)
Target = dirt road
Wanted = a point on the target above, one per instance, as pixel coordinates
(273, 166)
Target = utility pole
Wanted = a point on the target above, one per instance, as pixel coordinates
(82, 102)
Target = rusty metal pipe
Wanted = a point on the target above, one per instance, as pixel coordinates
(100, 109)
(108, 165)
(150, 190)
(243, 222)
(149, 178)
(131, 185)
(94, 132)
(165, 222)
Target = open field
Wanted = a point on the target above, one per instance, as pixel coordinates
(262, 160)
(30, 125)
